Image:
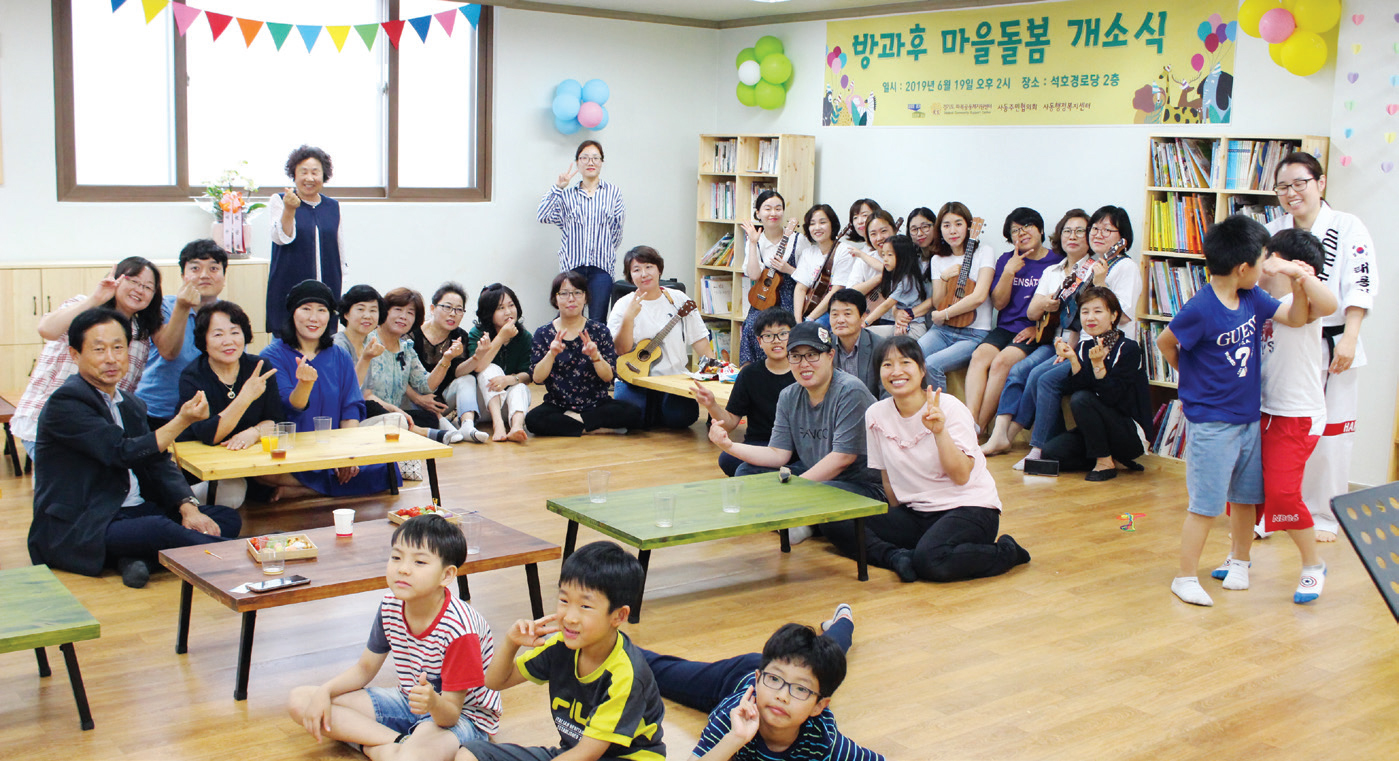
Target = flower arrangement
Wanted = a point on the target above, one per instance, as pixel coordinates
(231, 193)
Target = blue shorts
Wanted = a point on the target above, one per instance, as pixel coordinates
(391, 710)
(1223, 463)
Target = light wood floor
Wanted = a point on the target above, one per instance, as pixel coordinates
(1082, 654)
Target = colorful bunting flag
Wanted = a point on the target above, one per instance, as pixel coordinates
(153, 8)
(217, 22)
(309, 34)
(250, 29)
(117, 4)
(338, 35)
(368, 33)
(394, 30)
(279, 33)
(447, 19)
(184, 16)
(472, 13)
(421, 25)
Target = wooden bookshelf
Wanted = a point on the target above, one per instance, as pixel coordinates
(732, 161)
(1191, 183)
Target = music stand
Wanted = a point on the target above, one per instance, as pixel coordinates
(1370, 519)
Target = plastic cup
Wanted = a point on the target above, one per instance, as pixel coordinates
(286, 435)
(344, 521)
(733, 494)
(269, 441)
(274, 556)
(322, 430)
(393, 426)
(597, 485)
(281, 443)
(665, 509)
(471, 524)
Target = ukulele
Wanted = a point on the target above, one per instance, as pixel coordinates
(965, 283)
(822, 285)
(763, 294)
(638, 362)
(1049, 321)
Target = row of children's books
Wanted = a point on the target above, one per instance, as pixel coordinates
(716, 294)
(720, 338)
(1262, 212)
(1179, 222)
(1157, 368)
(767, 156)
(1251, 164)
(1171, 430)
(1181, 163)
(720, 254)
(721, 199)
(725, 155)
(1172, 283)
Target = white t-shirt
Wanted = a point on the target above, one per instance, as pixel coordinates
(654, 316)
(1294, 368)
(983, 259)
(1124, 280)
(768, 249)
(850, 270)
(810, 260)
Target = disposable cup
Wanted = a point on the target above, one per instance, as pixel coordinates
(344, 521)
(471, 525)
(665, 509)
(322, 429)
(597, 485)
(733, 494)
(274, 556)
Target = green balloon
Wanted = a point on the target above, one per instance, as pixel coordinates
(747, 95)
(770, 96)
(776, 68)
(766, 46)
(746, 54)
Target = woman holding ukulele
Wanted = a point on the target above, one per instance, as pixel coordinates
(950, 348)
(775, 247)
(819, 228)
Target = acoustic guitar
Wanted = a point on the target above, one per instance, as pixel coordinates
(763, 294)
(1049, 321)
(965, 283)
(638, 362)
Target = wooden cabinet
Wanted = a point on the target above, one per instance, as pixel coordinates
(19, 316)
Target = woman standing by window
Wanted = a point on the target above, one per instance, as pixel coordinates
(591, 215)
(305, 233)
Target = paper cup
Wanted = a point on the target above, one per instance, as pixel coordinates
(344, 521)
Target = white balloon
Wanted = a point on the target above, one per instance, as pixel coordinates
(750, 72)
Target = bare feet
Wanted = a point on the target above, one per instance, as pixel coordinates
(1325, 536)
(995, 445)
(518, 436)
(499, 435)
(294, 492)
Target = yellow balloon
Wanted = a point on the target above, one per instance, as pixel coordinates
(1251, 11)
(1317, 15)
(1275, 53)
(1304, 53)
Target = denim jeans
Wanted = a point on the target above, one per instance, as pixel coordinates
(1041, 408)
(1019, 378)
(946, 349)
(599, 291)
(659, 409)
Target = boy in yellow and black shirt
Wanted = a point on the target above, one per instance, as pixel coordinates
(602, 695)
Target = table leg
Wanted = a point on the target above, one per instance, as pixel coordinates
(182, 635)
(12, 449)
(75, 678)
(213, 493)
(571, 539)
(645, 557)
(245, 655)
(864, 571)
(392, 472)
(463, 589)
(536, 598)
(44, 661)
(786, 540)
(432, 482)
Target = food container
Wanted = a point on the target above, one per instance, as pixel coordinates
(299, 547)
(398, 516)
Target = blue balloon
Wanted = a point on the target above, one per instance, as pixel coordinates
(569, 87)
(566, 106)
(602, 123)
(1232, 30)
(567, 126)
(596, 91)
(1204, 30)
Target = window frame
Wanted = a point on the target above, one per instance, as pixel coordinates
(65, 149)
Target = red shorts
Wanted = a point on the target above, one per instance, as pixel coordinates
(1287, 443)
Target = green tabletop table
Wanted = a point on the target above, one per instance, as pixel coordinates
(766, 504)
(40, 612)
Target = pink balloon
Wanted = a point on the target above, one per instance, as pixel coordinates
(1197, 60)
(1212, 42)
(1215, 18)
(590, 114)
(1276, 25)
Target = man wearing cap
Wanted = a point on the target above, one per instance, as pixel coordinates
(820, 419)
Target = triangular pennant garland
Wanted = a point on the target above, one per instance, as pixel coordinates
(153, 8)
(309, 34)
(368, 33)
(472, 13)
(279, 33)
(250, 29)
(421, 25)
(338, 35)
(117, 4)
(394, 30)
(184, 16)
(217, 22)
(447, 19)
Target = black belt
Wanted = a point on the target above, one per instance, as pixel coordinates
(1329, 332)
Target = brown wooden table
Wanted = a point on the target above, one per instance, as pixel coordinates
(7, 411)
(345, 446)
(344, 566)
(683, 385)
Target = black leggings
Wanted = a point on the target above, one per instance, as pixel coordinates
(948, 545)
(1102, 432)
(548, 419)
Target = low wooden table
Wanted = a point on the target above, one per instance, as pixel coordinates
(683, 385)
(345, 446)
(41, 612)
(344, 566)
(7, 411)
(766, 505)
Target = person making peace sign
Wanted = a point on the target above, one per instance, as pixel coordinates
(590, 214)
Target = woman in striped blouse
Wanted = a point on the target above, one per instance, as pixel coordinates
(590, 214)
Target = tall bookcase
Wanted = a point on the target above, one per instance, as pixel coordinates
(1192, 181)
(733, 170)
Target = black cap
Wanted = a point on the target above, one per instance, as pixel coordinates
(809, 334)
(310, 290)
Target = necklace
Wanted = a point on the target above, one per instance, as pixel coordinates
(229, 386)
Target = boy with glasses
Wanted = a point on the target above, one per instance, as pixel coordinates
(758, 385)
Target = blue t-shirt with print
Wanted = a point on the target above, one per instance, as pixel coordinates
(1015, 316)
(160, 381)
(1219, 356)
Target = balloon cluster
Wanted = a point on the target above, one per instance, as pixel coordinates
(1213, 32)
(764, 74)
(835, 61)
(577, 106)
(1292, 29)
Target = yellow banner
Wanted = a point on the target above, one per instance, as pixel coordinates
(1075, 62)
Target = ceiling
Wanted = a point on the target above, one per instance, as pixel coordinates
(722, 14)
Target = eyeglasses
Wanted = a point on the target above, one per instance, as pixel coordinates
(768, 338)
(454, 311)
(920, 229)
(797, 691)
(141, 287)
(1074, 232)
(1015, 230)
(1101, 230)
(1296, 186)
(805, 358)
(566, 295)
(588, 158)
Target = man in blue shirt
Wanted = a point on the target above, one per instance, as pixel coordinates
(202, 266)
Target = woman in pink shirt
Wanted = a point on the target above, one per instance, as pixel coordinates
(944, 512)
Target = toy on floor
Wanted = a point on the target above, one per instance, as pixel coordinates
(1129, 517)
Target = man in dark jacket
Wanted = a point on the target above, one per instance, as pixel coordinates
(106, 491)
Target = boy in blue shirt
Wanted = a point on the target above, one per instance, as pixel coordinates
(1214, 343)
(602, 695)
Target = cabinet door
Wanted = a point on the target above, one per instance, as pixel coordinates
(16, 362)
(19, 316)
(63, 283)
(246, 286)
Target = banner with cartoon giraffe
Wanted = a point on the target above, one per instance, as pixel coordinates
(1074, 62)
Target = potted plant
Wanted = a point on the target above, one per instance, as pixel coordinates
(230, 200)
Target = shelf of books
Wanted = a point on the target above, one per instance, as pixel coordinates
(1193, 181)
(733, 170)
